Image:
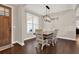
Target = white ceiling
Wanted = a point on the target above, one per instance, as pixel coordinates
(41, 10)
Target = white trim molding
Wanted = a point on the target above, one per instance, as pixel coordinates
(6, 47)
(20, 43)
(67, 38)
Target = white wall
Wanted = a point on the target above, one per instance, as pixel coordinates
(77, 17)
(66, 25)
(17, 20)
(77, 11)
(77, 22)
(20, 24)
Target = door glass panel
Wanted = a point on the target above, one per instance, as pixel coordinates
(6, 14)
(1, 11)
(1, 8)
(7, 10)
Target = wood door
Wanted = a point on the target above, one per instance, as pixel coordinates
(5, 26)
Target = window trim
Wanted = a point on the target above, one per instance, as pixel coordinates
(32, 21)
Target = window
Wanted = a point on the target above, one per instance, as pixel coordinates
(32, 22)
(4, 11)
(1, 11)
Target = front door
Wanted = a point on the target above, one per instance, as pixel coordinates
(5, 25)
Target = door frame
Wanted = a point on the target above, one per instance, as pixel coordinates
(10, 20)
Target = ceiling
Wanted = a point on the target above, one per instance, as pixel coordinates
(41, 9)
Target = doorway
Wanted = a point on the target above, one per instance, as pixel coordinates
(5, 25)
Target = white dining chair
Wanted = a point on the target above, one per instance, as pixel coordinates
(54, 37)
(40, 39)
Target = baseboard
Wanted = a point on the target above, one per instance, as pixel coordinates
(29, 38)
(14, 42)
(6, 47)
(66, 38)
(20, 43)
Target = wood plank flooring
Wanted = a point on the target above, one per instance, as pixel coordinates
(62, 47)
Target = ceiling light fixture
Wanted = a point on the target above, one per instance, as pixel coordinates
(47, 17)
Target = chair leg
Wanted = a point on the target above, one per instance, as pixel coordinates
(36, 45)
(47, 43)
(52, 44)
(42, 46)
(55, 41)
(36, 49)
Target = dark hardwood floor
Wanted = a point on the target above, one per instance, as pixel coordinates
(62, 47)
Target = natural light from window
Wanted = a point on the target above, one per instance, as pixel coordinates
(32, 22)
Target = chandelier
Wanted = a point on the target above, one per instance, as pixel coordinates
(47, 17)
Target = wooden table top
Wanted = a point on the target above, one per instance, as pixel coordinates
(46, 33)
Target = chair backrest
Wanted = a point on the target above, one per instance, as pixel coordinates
(55, 33)
(39, 34)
